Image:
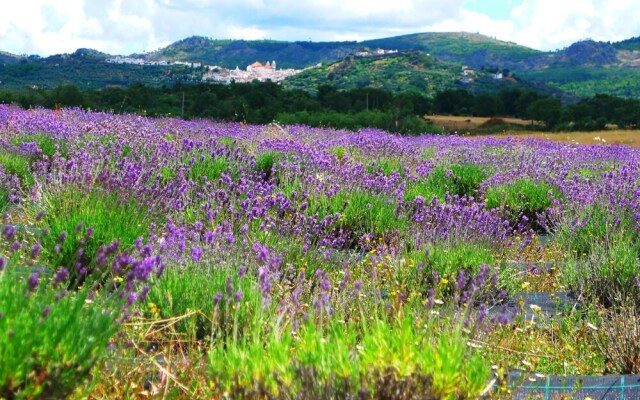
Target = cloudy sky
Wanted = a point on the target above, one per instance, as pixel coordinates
(47, 27)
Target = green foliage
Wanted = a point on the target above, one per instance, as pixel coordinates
(267, 163)
(340, 360)
(386, 166)
(591, 226)
(455, 179)
(4, 199)
(360, 212)
(48, 345)
(191, 291)
(227, 142)
(447, 259)
(523, 197)
(16, 164)
(607, 273)
(209, 167)
(45, 143)
(75, 211)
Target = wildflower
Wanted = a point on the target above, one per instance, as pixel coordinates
(35, 250)
(33, 281)
(196, 254)
(61, 276)
(217, 298)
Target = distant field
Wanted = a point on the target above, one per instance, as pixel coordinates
(463, 124)
(618, 136)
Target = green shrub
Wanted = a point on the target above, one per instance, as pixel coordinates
(4, 199)
(209, 167)
(227, 141)
(523, 197)
(456, 179)
(607, 274)
(361, 212)
(593, 225)
(267, 163)
(193, 289)
(48, 345)
(449, 259)
(74, 212)
(16, 164)
(45, 143)
(385, 166)
(340, 360)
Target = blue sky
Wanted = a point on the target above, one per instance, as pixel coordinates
(47, 27)
(496, 9)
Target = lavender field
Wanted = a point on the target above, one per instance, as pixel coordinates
(162, 258)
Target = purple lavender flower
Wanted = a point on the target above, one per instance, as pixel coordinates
(35, 250)
(33, 281)
(61, 276)
(217, 298)
(196, 254)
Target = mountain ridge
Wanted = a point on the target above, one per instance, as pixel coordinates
(577, 69)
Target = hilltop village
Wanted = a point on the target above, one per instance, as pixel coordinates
(215, 73)
(256, 71)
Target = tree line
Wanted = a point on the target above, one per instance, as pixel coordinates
(265, 102)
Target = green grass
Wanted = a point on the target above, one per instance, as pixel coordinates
(209, 167)
(523, 197)
(15, 164)
(4, 199)
(449, 259)
(73, 211)
(455, 179)
(341, 360)
(48, 356)
(191, 290)
(45, 143)
(386, 166)
(267, 163)
(361, 212)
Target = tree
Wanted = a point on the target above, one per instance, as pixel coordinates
(547, 110)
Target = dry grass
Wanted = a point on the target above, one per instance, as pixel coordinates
(465, 124)
(617, 136)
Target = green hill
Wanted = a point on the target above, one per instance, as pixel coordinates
(412, 71)
(427, 62)
(86, 69)
(461, 47)
(232, 53)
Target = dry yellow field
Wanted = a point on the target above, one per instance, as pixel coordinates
(463, 125)
(625, 137)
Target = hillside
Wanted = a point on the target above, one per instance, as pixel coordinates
(232, 53)
(86, 69)
(8, 58)
(412, 71)
(583, 69)
(461, 47)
